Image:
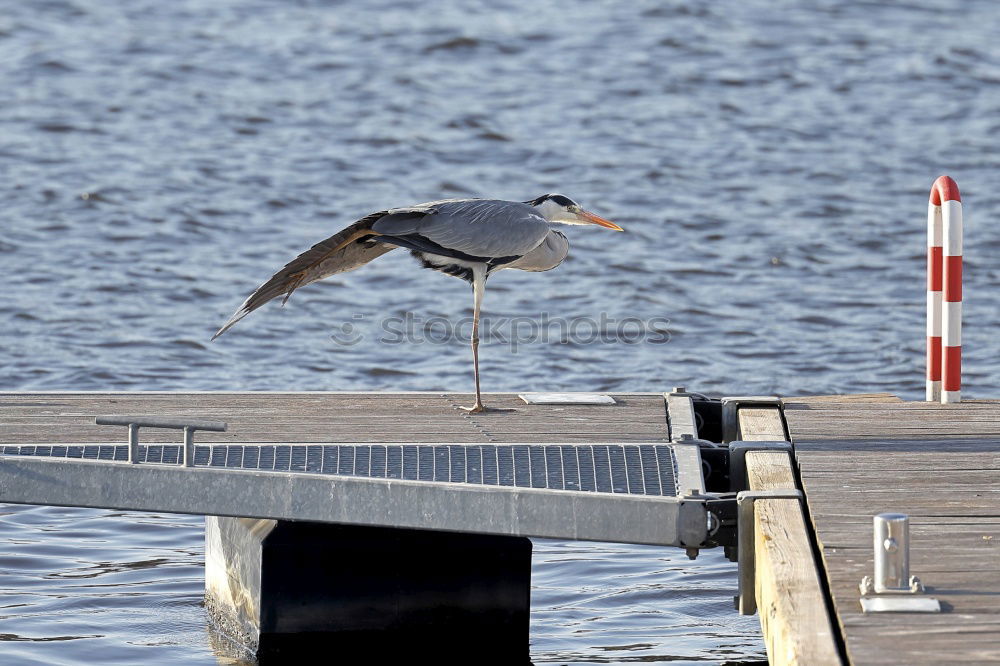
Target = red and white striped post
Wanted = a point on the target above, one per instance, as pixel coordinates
(944, 292)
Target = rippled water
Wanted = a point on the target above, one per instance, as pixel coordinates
(770, 161)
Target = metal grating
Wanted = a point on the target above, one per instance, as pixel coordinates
(638, 469)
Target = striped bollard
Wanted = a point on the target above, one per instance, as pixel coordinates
(944, 292)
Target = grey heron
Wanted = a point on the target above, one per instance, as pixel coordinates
(466, 238)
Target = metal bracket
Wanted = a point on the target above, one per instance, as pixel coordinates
(188, 426)
(738, 460)
(681, 415)
(566, 399)
(746, 600)
(887, 604)
(688, 439)
(689, 471)
(731, 407)
(722, 520)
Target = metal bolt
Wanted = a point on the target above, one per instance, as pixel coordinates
(188, 452)
(686, 436)
(133, 443)
(679, 389)
(712, 523)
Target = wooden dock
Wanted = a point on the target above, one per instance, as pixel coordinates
(940, 464)
(331, 417)
(854, 457)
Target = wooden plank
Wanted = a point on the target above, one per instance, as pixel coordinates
(761, 424)
(818, 402)
(971, 463)
(329, 418)
(907, 444)
(930, 565)
(940, 430)
(806, 404)
(791, 603)
(874, 421)
(842, 399)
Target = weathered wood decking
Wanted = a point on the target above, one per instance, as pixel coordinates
(939, 464)
(302, 418)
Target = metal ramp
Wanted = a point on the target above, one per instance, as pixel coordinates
(634, 493)
(643, 468)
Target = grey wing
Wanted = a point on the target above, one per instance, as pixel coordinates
(344, 251)
(475, 227)
(546, 256)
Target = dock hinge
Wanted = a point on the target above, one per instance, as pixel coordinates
(723, 521)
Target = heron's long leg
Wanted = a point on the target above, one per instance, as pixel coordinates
(478, 288)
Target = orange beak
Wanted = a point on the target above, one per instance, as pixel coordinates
(597, 219)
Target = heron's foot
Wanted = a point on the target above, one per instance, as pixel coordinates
(483, 409)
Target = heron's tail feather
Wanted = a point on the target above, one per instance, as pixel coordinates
(344, 251)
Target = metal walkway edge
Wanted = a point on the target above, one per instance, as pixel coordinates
(610, 473)
(516, 510)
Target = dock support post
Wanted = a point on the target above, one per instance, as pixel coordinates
(287, 588)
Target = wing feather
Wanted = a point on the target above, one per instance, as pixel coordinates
(337, 254)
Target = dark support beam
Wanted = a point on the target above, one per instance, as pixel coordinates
(289, 588)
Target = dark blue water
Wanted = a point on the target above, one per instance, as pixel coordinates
(769, 160)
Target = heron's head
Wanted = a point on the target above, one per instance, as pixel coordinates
(561, 209)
